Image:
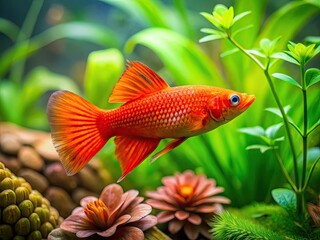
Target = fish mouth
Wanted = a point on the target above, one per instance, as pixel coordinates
(249, 100)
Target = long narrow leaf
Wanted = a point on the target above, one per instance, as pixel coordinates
(147, 12)
(183, 58)
(75, 30)
(39, 81)
(103, 71)
(291, 17)
(8, 28)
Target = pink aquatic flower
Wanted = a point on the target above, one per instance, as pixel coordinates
(188, 202)
(114, 215)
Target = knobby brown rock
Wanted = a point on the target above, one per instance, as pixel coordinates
(30, 154)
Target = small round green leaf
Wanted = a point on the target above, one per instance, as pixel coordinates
(285, 198)
(286, 78)
(312, 76)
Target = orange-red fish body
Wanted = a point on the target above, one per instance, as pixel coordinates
(170, 113)
(152, 111)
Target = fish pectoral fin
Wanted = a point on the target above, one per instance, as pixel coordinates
(132, 151)
(137, 81)
(171, 145)
(199, 119)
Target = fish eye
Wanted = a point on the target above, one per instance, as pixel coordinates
(234, 100)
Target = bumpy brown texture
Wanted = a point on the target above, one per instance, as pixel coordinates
(24, 213)
(31, 155)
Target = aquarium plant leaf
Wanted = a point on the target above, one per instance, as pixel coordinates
(257, 53)
(211, 37)
(312, 39)
(9, 101)
(9, 28)
(227, 53)
(103, 70)
(152, 13)
(268, 46)
(96, 34)
(272, 130)
(239, 30)
(285, 57)
(253, 131)
(285, 198)
(312, 76)
(286, 78)
(240, 16)
(171, 47)
(290, 17)
(254, 20)
(39, 81)
(277, 112)
(262, 148)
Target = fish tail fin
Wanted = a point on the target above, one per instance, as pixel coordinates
(77, 129)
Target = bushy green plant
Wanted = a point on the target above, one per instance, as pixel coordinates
(293, 201)
(259, 221)
(217, 154)
(20, 95)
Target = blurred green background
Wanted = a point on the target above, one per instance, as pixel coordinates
(82, 46)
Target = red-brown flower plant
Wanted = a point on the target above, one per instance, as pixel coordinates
(188, 202)
(314, 211)
(114, 215)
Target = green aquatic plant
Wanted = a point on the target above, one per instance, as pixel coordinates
(185, 62)
(20, 94)
(259, 221)
(265, 57)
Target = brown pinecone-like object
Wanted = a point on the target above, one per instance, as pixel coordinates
(24, 213)
(30, 154)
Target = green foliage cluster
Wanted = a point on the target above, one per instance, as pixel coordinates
(20, 93)
(293, 201)
(260, 221)
(170, 36)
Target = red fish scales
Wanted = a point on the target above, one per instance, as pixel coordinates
(159, 115)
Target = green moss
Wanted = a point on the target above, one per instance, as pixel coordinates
(260, 221)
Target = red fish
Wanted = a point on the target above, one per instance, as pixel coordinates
(152, 111)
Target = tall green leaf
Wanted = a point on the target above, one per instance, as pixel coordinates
(37, 83)
(74, 30)
(103, 70)
(148, 12)
(291, 17)
(182, 57)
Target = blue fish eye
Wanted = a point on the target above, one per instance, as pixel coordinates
(234, 100)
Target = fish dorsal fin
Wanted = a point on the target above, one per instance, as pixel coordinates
(137, 81)
(131, 151)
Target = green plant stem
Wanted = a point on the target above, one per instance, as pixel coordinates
(310, 173)
(275, 95)
(284, 171)
(246, 52)
(314, 127)
(305, 128)
(24, 34)
(298, 186)
(300, 193)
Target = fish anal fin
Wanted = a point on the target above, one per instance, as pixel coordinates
(171, 145)
(131, 151)
(137, 81)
